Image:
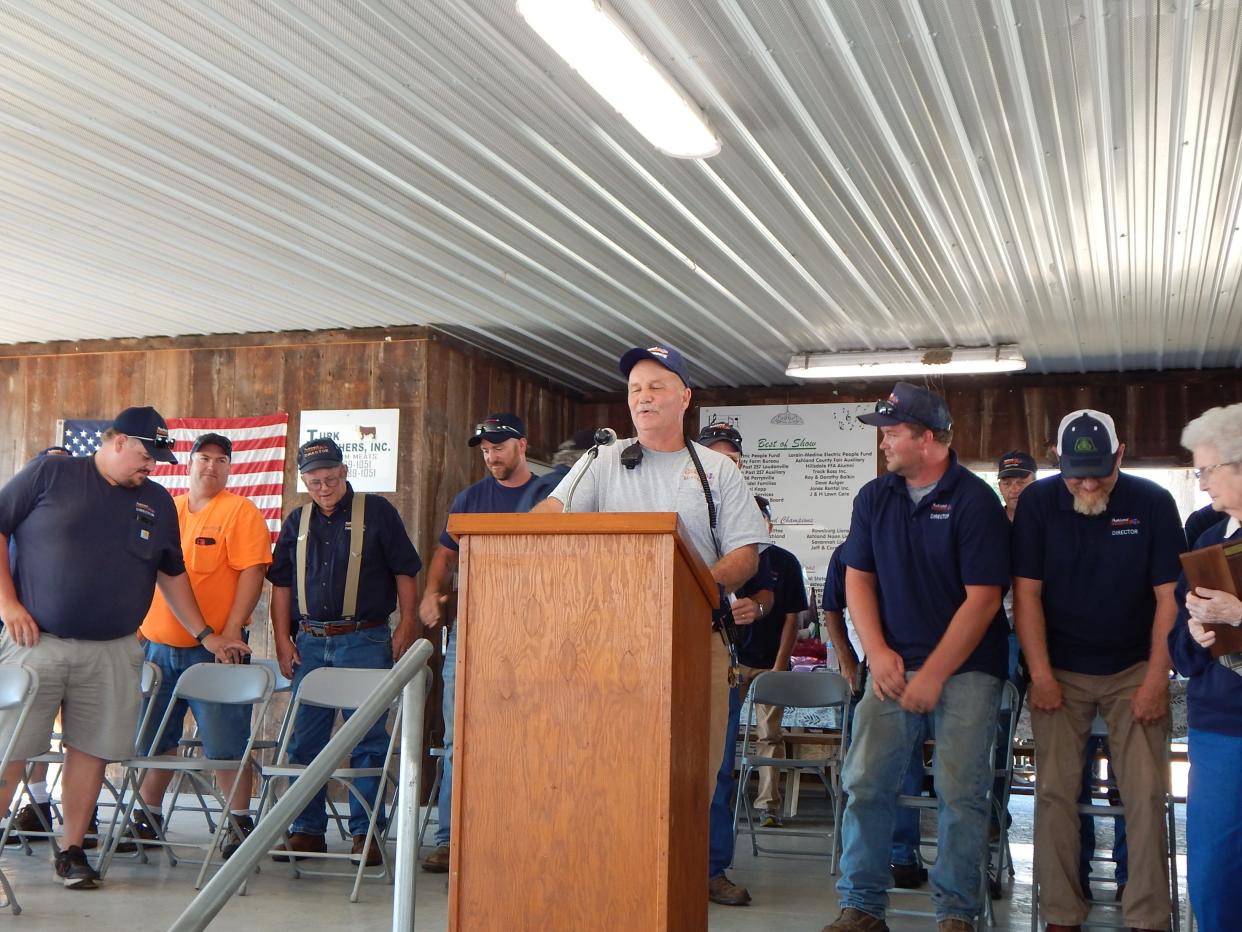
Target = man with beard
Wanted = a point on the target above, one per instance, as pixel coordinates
(501, 438)
(1095, 562)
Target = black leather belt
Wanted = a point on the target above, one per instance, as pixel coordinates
(329, 629)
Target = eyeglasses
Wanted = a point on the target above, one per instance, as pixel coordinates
(1205, 472)
(494, 427)
(160, 443)
(331, 482)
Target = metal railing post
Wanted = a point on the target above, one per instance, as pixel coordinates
(211, 899)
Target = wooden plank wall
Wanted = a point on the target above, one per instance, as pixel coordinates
(993, 415)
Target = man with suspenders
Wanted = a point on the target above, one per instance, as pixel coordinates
(342, 564)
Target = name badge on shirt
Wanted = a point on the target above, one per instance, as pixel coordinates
(1125, 527)
(940, 511)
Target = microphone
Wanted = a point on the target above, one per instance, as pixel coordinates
(604, 437)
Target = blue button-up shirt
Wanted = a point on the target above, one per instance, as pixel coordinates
(387, 552)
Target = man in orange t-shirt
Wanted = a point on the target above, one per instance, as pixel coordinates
(227, 548)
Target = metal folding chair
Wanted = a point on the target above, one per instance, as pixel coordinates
(149, 684)
(191, 746)
(342, 689)
(822, 689)
(18, 685)
(225, 684)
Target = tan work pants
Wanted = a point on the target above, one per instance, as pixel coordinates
(769, 742)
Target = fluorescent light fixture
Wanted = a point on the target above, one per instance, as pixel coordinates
(888, 363)
(597, 45)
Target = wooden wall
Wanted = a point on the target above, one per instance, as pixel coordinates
(993, 415)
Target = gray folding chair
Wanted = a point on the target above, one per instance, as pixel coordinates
(192, 745)
(225, 684)
(341, 689)
(18, 686)
(821, 689)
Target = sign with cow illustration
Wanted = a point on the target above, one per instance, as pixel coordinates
(367, 438)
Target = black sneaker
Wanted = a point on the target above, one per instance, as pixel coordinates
(74, 871)
(28, 820)
(237, 830)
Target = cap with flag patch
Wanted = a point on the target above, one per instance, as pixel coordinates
(1087, 444)
(670, 359)
(1016, 464)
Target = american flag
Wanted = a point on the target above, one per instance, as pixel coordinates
(258, 470)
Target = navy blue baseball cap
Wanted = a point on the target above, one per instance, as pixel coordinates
(670, 359)
(497, 428)
(219, 440)
(1087, 444)
(714, 433)
(1016, 464)
(320, 453)
(146, 425)
(909, 404)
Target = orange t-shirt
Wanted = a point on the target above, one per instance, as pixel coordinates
(220, 541)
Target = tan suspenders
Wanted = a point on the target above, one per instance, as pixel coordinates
(356, 530)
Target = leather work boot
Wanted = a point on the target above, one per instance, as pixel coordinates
(438, 861)
(954, 925)
(722, 890)
(300, 841)
(855, 920)
(374, 858)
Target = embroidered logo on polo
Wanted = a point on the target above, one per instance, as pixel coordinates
(1085, 445)
(940, 511)
(1123, 527)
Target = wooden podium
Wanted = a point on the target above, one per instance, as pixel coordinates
(581, 725)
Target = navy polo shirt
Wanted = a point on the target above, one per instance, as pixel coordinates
(759, 643)
(87, 551)
(1214, 693)
(925, 555)
(386, 553)
(833, 598)
(541, 487)
(1098, 572)
(486, 497)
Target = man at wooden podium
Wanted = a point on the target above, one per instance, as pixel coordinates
(659, 471)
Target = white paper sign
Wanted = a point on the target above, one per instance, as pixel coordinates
(367, 438)
(809, 461)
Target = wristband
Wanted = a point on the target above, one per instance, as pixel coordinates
(204, 634)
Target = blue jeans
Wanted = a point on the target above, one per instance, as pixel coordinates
(720, 816)
(906, 822)
(225, 729)
(964, 722)
(370, 649)
(444, 805)
(1214, 828)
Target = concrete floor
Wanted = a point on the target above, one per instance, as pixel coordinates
(788, 893)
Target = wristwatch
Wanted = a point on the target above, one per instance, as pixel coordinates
(204, 634)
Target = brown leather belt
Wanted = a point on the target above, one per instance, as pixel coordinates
(333, 628)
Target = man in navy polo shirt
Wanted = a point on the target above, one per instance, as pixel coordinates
(501, 438)
(926, 559)
(330, 611)
(1095, 564)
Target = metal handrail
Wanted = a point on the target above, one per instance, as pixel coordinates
(408, 674)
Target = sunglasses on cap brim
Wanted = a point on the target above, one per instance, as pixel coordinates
(495, 427)
(160, 443)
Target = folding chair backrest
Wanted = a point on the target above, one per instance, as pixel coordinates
(227, 683)
(16, 683)
(339, 687)
(801, 690)
(149, 684)
(283, 683)
(152, 677)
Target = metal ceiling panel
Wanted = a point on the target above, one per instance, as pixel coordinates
(1063, 174)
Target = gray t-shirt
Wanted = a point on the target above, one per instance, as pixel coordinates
(919, 492)
(669, 482)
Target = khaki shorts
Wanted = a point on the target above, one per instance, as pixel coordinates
(95, 685)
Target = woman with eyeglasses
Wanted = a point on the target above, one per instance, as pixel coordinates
(1214, 694)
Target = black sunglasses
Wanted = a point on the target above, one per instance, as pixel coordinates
(884, 406)
(722, 432)
(492, 427)
(160, 443)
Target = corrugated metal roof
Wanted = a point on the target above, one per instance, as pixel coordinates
(1064, 175)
